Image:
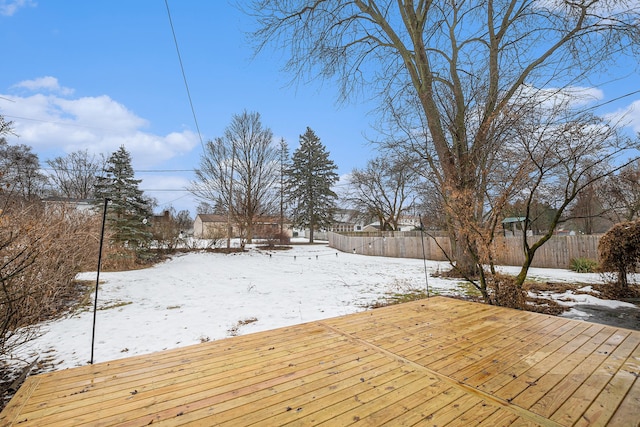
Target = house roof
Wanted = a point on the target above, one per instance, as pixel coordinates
(212, 218)
(514, 219)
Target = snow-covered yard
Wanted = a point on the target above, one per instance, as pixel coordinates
(208, 296)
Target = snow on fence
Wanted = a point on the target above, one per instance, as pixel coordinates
(556, 253)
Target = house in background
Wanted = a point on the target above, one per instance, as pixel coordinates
(52, 204)
(405, 223)
(347, 220)
(513, 226)
(207, 226)
(162, 218)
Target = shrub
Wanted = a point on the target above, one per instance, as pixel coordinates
(619, 251)
(41, 251)
(583, 265)
(504, 292)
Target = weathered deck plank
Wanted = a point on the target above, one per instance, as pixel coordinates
(434, 362)
(588, 391)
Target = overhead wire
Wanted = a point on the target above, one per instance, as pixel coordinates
(184, 75)
(153, 171)
(612, 100)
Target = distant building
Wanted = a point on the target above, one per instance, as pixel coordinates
(208, 226)
(347, 220)
(211, 225)
(52, 204)
(408, 222)
(405, 223)
(163, 218)
(513, 226)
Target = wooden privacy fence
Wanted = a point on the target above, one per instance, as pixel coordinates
(556, 253)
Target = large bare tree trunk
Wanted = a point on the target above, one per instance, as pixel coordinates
(450, 75)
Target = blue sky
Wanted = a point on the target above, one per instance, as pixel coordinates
(98, 74)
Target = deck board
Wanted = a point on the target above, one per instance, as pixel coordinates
(439, 361)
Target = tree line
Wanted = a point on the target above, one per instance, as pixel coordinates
(245, 176)
(44, 245)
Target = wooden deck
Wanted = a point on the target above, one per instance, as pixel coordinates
(433, 362)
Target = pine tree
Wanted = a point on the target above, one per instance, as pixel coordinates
(309, 182)
(128, 209)
(283, 155)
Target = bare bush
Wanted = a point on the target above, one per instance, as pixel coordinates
(277, 238)
(166, 232)
(41, 251)
(504, 292)
(619, 251)
(211, 239)
(169, 230)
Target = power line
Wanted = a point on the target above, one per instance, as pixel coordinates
(136, 171)
(612, 100)
(58, 123)
(184, 76)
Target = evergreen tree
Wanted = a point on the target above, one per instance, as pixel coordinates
(309, 181)
(128, 209)
(283, 155)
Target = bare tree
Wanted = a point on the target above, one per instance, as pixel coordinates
(41, 251)
(621, 193)
(384, 189)
(20, 174)
(5, 126)
(590, 213)
(183, 220)
(239, 171)
(451, 71)
(549, 154)
(74, 176)
(207, 208)
(428, 205)
(556, 162)
(169, 229)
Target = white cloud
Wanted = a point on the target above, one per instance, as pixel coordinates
(47, 83)
(52, 124)
(571, 96)
(10, 7)
(628, 116)
(342, 186)
(581, 96)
